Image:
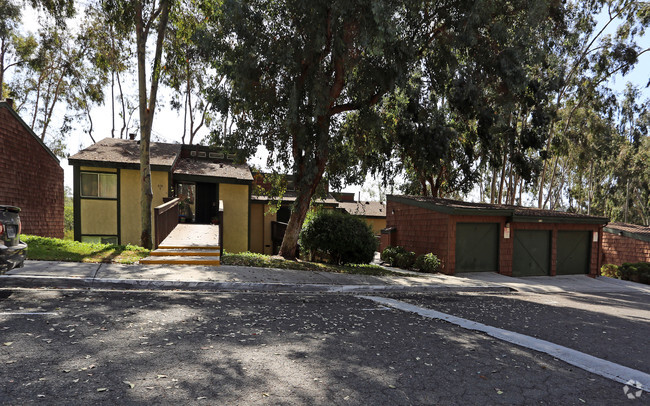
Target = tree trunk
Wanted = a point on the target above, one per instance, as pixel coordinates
(289, 246)
(493, 185)
(503, 177)
(147, 109)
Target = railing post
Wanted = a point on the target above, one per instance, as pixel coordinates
(221, 226)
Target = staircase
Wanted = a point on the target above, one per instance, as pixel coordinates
(188, 244)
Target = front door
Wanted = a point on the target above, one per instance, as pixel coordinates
(206, 202)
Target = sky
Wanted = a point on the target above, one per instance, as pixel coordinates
(168, 124)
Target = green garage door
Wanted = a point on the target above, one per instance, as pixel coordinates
(573, 252)
(531, 252)
(477, 247)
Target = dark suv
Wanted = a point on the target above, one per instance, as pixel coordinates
(12, 250)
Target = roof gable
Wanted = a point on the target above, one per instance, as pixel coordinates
(120, 152)
(9, 108)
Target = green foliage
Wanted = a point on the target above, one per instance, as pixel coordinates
(636, 272)
(54, 249)
(429, 263)
(343, 238)
(610, 270)
(266, 261)
(389, 254)
(68, 218)
(405, 260)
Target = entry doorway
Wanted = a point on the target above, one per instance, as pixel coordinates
(206, 202)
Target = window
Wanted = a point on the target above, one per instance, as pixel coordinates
(99, 239)
(99, 185)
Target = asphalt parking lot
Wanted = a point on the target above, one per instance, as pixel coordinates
(107, 347)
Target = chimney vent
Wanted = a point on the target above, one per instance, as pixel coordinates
(10, 102)
(132, 136)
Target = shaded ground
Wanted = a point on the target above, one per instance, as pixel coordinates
(179, 348)
(611, 326)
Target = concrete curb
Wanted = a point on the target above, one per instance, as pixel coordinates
(9, 281)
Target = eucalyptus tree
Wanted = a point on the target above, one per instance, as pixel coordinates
(56, 77)
(111, 54)
(186, 72)
(16, 49)
(591, 54)
(296, 68)
(141, 19)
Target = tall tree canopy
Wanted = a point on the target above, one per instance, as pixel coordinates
(297, 67)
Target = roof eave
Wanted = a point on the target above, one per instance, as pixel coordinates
(559, 219)
(119, 165)
(627, 234)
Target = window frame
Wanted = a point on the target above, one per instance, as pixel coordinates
(99, 188)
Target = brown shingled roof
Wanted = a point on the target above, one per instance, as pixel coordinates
(470, 208)
(629, 230)
(291, 196)
(188, 166)
(367, 209)
(119, 151)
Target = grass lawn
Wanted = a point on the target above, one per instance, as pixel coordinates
(266, 261)
(54, 249)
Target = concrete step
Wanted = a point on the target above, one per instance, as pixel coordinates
(190, 252)
(182, 260)
(188, 247)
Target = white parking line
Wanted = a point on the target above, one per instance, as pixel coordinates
(607, 369)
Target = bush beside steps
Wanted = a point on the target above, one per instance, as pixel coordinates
(399, 257)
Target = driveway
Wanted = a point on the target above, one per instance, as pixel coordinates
(558, 284)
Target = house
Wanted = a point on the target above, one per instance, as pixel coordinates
(33, 177)
(624, 242)
(480, 237)
(107, 190)
(373, 213)
(269, 216)
(208, 182)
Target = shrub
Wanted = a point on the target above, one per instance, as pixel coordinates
(429, 263)
(611, 271)
(637, 272)
(389, 253)
(340, 236)
(405, 260)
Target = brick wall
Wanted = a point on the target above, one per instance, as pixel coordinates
(423, 230)
(618, 249)
(419, 230)
(31, 179)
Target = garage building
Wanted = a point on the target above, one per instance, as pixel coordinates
(480, 237)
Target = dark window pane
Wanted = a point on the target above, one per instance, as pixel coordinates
(89, 184)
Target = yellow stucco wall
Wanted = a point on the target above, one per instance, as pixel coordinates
(377, 224)
(98, 217)
(257, 228)
(261, 228)
(268, 218)
(235, 216)
(130, 201)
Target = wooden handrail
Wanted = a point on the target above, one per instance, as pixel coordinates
(165, 219)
